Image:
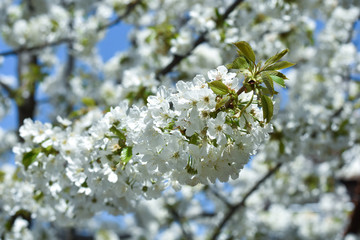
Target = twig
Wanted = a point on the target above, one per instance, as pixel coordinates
(130, 7)
(221, 197)
(202, 38)
(178, 58)
(202, 215)
(241, 204)
(34, 48)
(181, 223)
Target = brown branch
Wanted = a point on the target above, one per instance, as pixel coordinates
(231, 8)
(201, 39)
(27, 105)
(241, 204)
(353, 187)
(178, 58)
(353, 226)
(221, 197)
(187, 234)
(130, 7)
(202, 215)
(34, 48)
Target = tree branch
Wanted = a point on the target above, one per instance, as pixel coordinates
(202, 215)
(221, 197)
(241, 204)
(130, 7)
(34, 48)
(201, 39)
(177, 218)
(353, 227)
(26, 107)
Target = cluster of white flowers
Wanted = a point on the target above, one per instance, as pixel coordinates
(21, 199)
(39, 29)
(71, 170)
(179, 138)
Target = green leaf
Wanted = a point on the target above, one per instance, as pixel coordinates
(219, 87)
(265, 90)
(84, 184)
(276, 73)
(54, 25)
(194, 139)
(30, 157)
(246, 50)
(276, 57)
(238, 63)
(15, 176)
(281, 147)
(49, 150)
(222, 102)
(267, 107)
(2, 176)
(126, 154)
(89, 102)
(38, 196)
(280, 65)
(219, 18)
(278, 80)
(268, 82)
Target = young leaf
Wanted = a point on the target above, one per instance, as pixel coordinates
(219, 87)
(89, 102)
(265, 90)
(229, 66)
(280, 65)
(238, 63)
(30, 157)
(281, 147)
(276, 57)
(267, 107)
(278, 80)
(276, 73)
(246, 50)
(194, 139)
(126, 154)
(268, 82)
(38, 196)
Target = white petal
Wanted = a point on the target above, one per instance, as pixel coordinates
(222, 70)
(112, 177)
(212, 74)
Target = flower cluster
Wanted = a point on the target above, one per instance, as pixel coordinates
(198, 132)
(181, 137)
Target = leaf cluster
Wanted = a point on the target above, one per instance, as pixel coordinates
(259, 78)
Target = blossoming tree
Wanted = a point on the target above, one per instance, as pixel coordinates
(203, 129)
